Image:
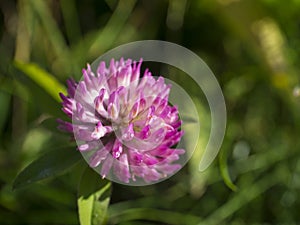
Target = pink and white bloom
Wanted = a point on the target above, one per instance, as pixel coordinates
(123, 123)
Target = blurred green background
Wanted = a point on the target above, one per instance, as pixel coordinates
(253, 48)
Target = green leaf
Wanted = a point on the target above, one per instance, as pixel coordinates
(224, 171)
(93, 199)
(244, 196)
(4, 109)
(50, 164)
(107, 37)
(158, 215)
(52, 31)
(71, 20)
(44, 79)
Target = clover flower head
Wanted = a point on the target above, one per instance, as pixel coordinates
(123, 123)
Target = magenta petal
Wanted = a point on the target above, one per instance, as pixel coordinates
(151, 175)
(128, 133)
(117, 149)
(98, 157)
(113, 106)
(123, 77)
(121, 168)
(107, 164)
(149, 160)
(83, 147)
(145, 133)
(65, 126)
(161, 106)
(169, 168)
(135, 157)
(99, 103)
(71, 87)
(101, 69)
(130, 115)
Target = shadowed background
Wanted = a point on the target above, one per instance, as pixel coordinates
(253, 48)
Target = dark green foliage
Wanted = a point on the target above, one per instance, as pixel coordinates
(253, 47)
